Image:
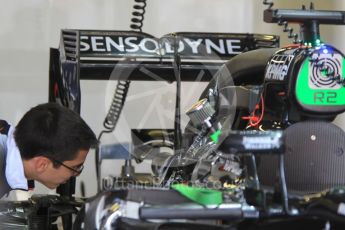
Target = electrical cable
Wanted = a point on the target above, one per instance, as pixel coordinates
(253, 119)
(138, 15)
(121, 89)
(286, 28)
(289, 30)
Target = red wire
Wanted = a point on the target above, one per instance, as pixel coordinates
(253, 119)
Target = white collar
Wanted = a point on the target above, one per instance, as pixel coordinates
(14, 165)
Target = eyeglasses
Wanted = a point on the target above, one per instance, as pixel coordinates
(76, 170)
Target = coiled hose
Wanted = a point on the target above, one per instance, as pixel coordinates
(122, 87)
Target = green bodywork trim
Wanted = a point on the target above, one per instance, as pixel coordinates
(215, 136)
(203, 196)
(317, 97)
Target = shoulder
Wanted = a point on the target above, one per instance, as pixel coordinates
(3, 139)
(4, 127)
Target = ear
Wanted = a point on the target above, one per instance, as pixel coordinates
(41, 163)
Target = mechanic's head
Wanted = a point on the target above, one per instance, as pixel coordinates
(53, 142)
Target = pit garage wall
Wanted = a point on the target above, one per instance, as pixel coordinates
(29, 28)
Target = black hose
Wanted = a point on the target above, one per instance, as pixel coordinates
(177, 122)
(283, 187)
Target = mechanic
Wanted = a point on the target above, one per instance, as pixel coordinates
(49, 144)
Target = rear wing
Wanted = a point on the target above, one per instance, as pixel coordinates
(94, 54)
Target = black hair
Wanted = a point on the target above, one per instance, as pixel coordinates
(53, 130)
